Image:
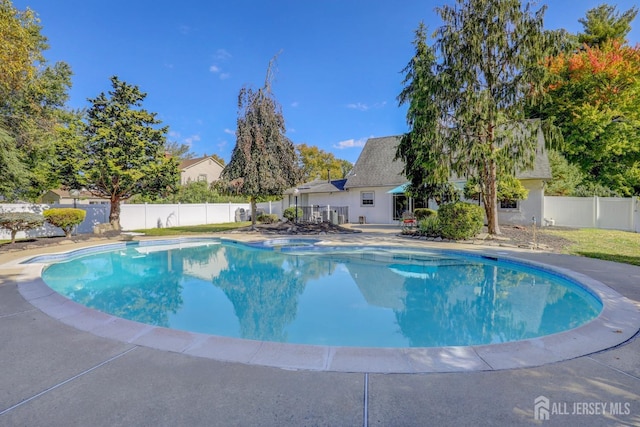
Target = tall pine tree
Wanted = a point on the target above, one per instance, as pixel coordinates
(124, 153)
(467, 96)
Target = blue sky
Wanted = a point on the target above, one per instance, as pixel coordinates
(338, 74)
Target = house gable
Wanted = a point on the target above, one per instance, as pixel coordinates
(376, 166)
(201, 169)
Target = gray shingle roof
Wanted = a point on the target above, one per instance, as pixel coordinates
(376, 168)
(319, 186)
(541, 167)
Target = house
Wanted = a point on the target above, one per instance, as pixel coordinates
(374, 189)
(73, 197)
(201, 169)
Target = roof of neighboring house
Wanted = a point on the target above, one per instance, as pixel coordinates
(319, 186)
(375, 166)
(186, 164)
(83, 194)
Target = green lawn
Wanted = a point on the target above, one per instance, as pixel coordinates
(610, 245)
(209, 228)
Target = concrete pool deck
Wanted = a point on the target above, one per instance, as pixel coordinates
(57, 374)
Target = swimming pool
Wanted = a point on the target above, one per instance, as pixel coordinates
(298, 291)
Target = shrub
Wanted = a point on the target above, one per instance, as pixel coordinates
(290, 213)
(460, 220)
(267, 218)
(65, 218)
(422, 213)
(20, 221)
(429, 226)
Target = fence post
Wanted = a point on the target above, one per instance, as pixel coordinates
(145, 216)
(634, 214)
(595, 212)
(229, 213)
(206, 213)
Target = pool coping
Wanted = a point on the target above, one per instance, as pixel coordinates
(618, 322)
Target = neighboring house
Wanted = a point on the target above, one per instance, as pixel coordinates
(64, 197)
(374, 190)
(201, 169)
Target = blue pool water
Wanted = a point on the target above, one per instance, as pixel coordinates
(299, 292)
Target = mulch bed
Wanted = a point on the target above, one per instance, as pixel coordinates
(300, 228)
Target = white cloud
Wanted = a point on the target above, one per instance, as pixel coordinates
(221, 145)
(295, 104)
(222, 55)
(365, 107)
(217, 70)
(191, 139)
(230, 132)
(350, 143)
(358, 106)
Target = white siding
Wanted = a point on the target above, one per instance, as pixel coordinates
(527, 209)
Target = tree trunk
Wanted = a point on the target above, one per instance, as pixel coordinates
(253, 213)
(13, 235)
(114, 213)
(491, 199)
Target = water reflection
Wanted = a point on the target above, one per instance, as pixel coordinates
(120, 284)
(348, 298)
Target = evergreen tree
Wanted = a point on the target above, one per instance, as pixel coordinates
(467, 96)
(125, 150)
(263, 162)
(603, 24)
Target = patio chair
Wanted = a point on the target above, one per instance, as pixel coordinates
(408, 220)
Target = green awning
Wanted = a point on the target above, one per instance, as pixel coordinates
(400, 189)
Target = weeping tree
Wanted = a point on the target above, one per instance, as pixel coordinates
(264, 161)
(467, 95)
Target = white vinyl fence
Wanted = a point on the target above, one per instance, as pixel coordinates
(96, 214)
(614, 213)
(580, 212)
(133, 217)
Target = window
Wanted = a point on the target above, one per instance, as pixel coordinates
(508, 204)
(366, 198)
(202, 177)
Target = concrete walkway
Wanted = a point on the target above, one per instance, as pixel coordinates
(54, 374)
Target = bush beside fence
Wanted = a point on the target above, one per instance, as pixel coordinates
(141, 216)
